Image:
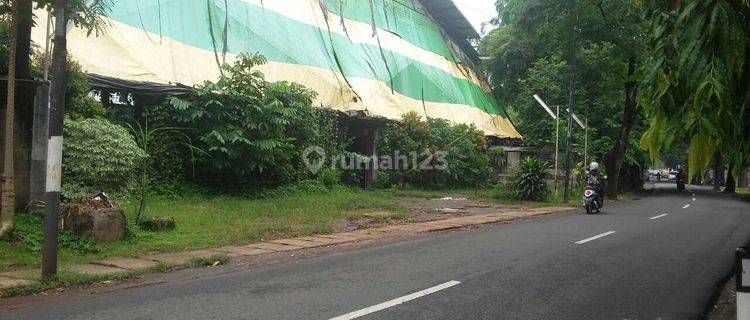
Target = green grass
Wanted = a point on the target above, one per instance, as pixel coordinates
(205, 221)
(70, 279)
(211, 261)
(743, 191)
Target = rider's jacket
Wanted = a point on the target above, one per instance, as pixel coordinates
(594, 179)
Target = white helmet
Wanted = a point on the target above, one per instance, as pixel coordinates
(594, 166)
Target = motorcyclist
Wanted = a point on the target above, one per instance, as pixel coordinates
(595, 180)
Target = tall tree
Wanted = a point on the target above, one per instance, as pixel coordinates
(532, 33)
(8, 198)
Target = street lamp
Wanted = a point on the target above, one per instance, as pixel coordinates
(555, 116)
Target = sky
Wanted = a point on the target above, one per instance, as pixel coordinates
(477, 11)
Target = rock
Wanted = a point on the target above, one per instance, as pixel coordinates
(157, 224)
(99, 225)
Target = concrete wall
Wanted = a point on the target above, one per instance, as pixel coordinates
(22, 145)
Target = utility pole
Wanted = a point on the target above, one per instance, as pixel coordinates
(557, 150)
(571, 90)
(55, 144)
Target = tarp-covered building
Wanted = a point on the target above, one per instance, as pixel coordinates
(379, 58)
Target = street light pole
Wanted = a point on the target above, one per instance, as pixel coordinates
(557, 149)
(55, 144)
(571, 90)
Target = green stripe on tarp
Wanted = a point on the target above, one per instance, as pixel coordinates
(399, 17)
(281, 39)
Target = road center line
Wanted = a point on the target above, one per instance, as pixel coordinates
(693, 199)
(686, 206)
(395, 302)
(595, 237)
(659, 216)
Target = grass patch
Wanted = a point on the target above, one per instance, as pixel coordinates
(206, 221)
(211, 261)
(68, 279)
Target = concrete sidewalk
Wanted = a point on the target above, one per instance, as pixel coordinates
(120, 265)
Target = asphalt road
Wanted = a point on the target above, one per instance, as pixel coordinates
(667, 253)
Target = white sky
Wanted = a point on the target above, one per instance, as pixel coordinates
(477, 11)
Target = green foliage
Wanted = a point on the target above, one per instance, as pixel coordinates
(531, 53)
(697, 80)
(98, 156)
(78, 103)
(29, 234)
(211, 261)
(252, 129)
(498, 158)
(529, 179)
(467, 163)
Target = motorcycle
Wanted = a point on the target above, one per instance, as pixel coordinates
(680, 183)
(591, 201)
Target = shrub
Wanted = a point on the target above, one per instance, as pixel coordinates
(253, 130)
(529, 179)
(466, 161)
(98, 156)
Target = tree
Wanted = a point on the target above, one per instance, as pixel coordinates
(697, 81)
(8, 199)
(528, 56)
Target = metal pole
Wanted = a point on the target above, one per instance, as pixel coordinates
(557, 149)
(586, 142)
(46, 46)
(569, 143)
(54, 146)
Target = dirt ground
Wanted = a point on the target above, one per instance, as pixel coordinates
(725, 307)
(424, 209)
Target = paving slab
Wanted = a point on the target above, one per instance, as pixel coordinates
(296, 242)
(29, 274)
(94, 269)
(340, 236)
(239, 251)
(359, 235)
(324, 240)
(7, 283)
(127, 263)
(273, 246)
(180, 257)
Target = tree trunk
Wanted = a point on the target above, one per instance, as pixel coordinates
(731, 184)
(8, 198)
(629, 115)
(718, 170)
(24, 91)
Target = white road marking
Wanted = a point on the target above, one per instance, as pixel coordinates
(397, 301)
(686, 206)
(693, 199)
(659, 216)
(595, 237)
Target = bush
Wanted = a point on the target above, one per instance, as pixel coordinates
(466, 160)
(254, 131)
(98, 156)
(529, 179)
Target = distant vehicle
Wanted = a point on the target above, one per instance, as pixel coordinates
(672, 176)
